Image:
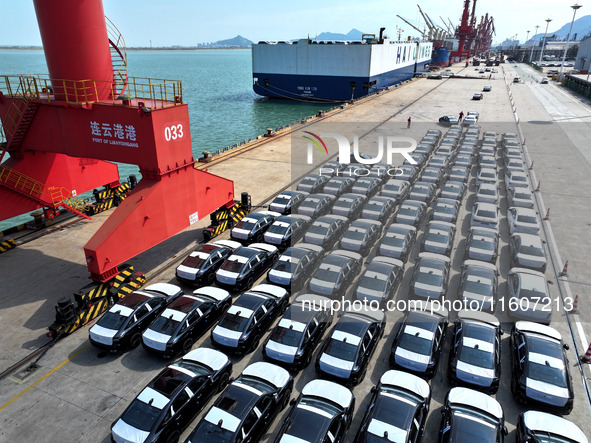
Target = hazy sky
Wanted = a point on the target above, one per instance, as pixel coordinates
(188, 22)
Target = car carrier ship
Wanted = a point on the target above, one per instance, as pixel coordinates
(335, 70)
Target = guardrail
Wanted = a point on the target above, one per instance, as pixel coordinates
(157, 93)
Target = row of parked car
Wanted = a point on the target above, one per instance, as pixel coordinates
(400, 402)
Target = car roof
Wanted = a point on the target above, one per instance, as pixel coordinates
(133, 300)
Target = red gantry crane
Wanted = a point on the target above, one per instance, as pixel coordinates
(64, 130)
(463, 33)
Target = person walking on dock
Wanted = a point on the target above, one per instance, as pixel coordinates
(408, 125)
(461, 115)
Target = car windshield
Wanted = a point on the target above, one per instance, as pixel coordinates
(247, 224)
(286, 336)
(393, 241)
(549, 437)
(232, 266)
(486, 214)
(476, 357)
(405, 210)
(416, 344)
(111, 320)
(282, 199)
(327, 275)
(374, 207)
(534, 295)
(375, 282)
(208, 432)
(141, 415)
(354, 235)
(420, 190)
(234, 322)
(392, 188)
(431, 278)
(444, 209)
(436, 237)
(286, 266)
(482, 244)
(531, 250)
(527, 219)
(478, 288)
(164, 325)
(547, 374)
(487, 191)
(278, 229)
(319, 228)
(342, 350)
(470, 426)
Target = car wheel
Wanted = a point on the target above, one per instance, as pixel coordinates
(285, 400)
(259, 238)
(210, 279)
(223, 381)
(135, 340)
(255, 343)
(173, 437)
(226, 306)
(249, 283)
(187, 345)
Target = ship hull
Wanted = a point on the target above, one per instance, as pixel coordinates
(306, 71)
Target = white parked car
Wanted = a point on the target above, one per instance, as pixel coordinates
(485, 215)
(523, 220)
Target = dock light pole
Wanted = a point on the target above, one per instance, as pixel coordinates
(548, 20)
(533, 45)
(575, 8)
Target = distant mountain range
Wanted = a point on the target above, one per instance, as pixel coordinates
(236, 42)
(353, 34)
(581, 27)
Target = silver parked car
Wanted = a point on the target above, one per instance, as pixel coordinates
(529, 296)
(527, 251)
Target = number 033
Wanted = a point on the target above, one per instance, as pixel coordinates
(173, 132)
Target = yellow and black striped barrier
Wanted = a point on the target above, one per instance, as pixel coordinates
(94, 299)
(7, 244)
(237, 213)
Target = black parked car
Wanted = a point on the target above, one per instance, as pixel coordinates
(322, 413)
(399, 405)
(430, 277)
(346, 353)
(349, 205)
(287, 230)
(335, 273)
(536, 426)
(326, 231)
(338, 185)
(253, 226)
(287, 202)
(380, 280)
(410, 212)
(295, 265)
(293, 341)
(240, 329)
(475, 354)
(121, 327)
(439, 237)
(368, 186)
(245, 266)
(398, 241)
(316, 205)
(419, 341)
(185, 320)
(541, 375)
(469, 415)
(361, 235)
(396, 189)
(200, 266)
(170, 402)
(379, 208)
(247, 407)
(312, 183)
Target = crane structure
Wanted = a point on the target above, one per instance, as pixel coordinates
(473, 39)
(64, 131)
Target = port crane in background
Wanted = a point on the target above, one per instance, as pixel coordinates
(472, 39)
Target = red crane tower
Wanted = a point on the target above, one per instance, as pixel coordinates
(463, 32)
(63, 131)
